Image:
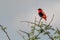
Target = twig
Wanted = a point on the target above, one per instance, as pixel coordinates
(21, 35)
(40, 32)
(35, 22)
(31, 23)
(40, 20)
(5, 32)
(51, 20)
(40, 27)
(33, 30)
(50, 37)
(7, 35)
(26, 33)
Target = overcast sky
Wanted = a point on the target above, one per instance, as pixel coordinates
(14, 11)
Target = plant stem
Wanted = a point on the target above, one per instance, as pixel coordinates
(40, 20)
(50, 37)
(5, 32)
(26, 33)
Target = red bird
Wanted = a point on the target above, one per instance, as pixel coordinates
(42, 14)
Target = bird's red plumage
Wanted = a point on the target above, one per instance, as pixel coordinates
(42, 14)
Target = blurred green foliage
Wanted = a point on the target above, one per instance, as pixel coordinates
(39, 27)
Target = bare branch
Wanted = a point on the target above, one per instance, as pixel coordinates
(51, 20)
(21, 35)
(5, 32)
(40, 20)
(26, 33)
(50, 37)
(31, 23)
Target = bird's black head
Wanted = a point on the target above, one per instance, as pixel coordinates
(39, 9)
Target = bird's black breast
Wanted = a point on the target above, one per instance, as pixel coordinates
(40, 14)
